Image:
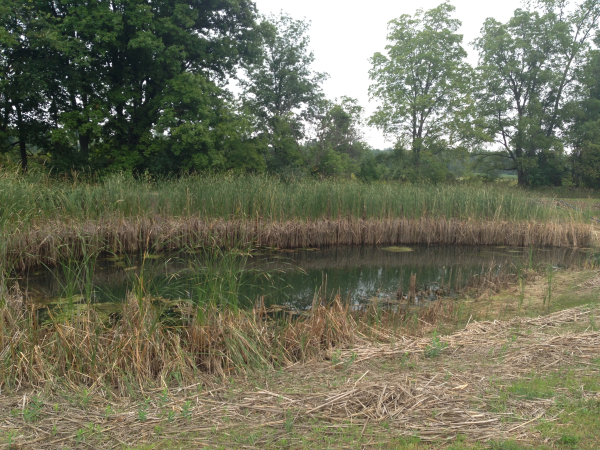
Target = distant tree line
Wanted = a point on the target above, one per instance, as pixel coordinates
(177, 86)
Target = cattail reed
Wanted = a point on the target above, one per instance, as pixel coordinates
(54, 241)
(43, 219)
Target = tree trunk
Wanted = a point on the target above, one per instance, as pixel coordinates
(521, 177)
(22, 138)
(84, 145)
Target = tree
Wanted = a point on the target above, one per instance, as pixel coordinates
(337, 146)
(116, 66)
(200, 130)
(422, 82)
(282, 90)
(27, 53)
(584, 127)
(528, 70)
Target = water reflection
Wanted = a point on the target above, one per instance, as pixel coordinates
(292, 277)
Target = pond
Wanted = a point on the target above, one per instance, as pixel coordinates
(292, 277)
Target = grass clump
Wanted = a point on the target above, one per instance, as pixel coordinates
(436, 347)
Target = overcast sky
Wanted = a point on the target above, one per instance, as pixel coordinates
(345, 34)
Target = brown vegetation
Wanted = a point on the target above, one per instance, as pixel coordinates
(148, 343)
(53, 241)
(382, 391)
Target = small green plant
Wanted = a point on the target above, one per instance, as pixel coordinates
(522, 283)
(9, 437)
(164, 397)
(33, 410)
(406, 362)
(171, 416)
(143, 411)
(549, 277)
(289, 421)
(336, 357)
(80, 435)
(186, 410)
(350, 361)
(593, 323)
(567, 439)
(436, 347)
(85, 398)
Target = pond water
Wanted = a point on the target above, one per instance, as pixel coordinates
(292, 277)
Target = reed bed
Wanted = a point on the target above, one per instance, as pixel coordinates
(46, 220)
(149, 344)
(26, 199)
(56, 241)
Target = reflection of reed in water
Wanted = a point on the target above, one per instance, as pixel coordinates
(343, 257)
(367, 272)
(295, 275)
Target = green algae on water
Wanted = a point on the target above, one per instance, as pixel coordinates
(397, 249)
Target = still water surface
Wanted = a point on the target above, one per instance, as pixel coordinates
(292, 277)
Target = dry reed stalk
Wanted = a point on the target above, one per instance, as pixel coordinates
(58, 241)
(463, 402)
(478, 338)
(81, 347)
(412, 286)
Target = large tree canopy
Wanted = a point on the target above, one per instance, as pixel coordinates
(117, 69)
(140, 85)
(422, 81)
(528, 69)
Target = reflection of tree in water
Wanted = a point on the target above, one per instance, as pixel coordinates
(293, 277)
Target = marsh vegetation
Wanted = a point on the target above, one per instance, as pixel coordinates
(181, 266)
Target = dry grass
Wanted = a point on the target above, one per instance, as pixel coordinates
(150, 343)
(389, 387)
(53, 241)
(507, 295)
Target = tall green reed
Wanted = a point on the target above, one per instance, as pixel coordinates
(38, 196)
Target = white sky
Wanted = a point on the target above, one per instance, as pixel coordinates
(346, 33)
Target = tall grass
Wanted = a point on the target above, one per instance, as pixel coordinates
(152, 341)
(47, 220)
(39, 197)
